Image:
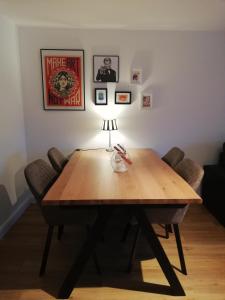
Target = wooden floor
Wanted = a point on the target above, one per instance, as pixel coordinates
(21, 250)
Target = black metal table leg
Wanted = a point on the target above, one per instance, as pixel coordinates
(157, 248)
(60, 231)
(180, 249)
(126, 231)
(85, 252)
(132, 255)
(95, 258)
(46, 250)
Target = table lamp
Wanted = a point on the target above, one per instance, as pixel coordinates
(109, 125)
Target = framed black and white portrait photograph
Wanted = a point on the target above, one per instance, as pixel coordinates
(101, 96)
(106, 68)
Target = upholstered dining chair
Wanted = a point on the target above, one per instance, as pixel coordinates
(57, 159)
(173, 156)
(40, 176)
(192, 173)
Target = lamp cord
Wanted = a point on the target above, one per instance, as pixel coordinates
(87, 149)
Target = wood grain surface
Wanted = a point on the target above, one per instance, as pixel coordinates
(88, 179)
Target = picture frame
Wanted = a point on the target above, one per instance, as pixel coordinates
(63, 79)
(101, 96)
(136, 76)
(123, 97)
(105, 68)
(146, 101)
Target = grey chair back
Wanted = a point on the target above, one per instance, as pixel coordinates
(191, 172)
(39, 176)
(173, 156)
(57, 159)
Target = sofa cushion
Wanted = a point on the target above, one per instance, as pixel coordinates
(214, 173)
(213, 191)
(222, 159)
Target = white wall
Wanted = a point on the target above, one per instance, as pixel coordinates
(185, 71)
(12, 134)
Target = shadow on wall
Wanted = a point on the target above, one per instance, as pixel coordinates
(141, 60)
(204, 153)
(13, 176)
(126, 87)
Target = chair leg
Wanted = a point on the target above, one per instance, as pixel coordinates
(180, 249)
(167, 235)
(126, 231)
(169, 227)
(132, 255)
(60, 231)
(46, 250)
(168, 230)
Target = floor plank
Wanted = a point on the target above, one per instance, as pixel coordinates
(204, 247)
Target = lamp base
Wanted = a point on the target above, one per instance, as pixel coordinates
(110, 149)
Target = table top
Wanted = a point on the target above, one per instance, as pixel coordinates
(88, 179)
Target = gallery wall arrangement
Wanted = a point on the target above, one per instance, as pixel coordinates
(63, 80)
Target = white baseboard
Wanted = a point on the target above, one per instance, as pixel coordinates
(25, 200)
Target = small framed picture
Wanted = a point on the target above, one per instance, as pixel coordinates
(136, 76)
(101, 97)
(122, 97)
(146, 101)
(106, 68)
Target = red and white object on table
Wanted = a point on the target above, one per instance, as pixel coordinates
(123, 155)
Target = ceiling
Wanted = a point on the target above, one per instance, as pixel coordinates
(206, 15)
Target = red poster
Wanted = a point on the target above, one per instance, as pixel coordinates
(63, 79)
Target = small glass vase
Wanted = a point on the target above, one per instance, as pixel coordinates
(118, 163)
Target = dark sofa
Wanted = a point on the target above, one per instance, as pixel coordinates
(213, 188)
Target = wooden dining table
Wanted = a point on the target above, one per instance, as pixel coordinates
(88, 179)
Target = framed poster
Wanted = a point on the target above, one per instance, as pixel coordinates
(63, 79)
(122, 97)
(106, 68)
(101, 96)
